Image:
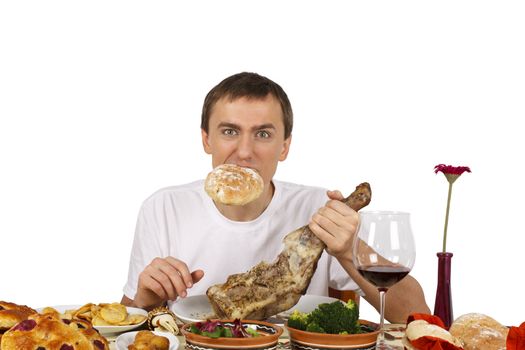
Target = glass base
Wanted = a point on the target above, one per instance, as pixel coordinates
(382, 345)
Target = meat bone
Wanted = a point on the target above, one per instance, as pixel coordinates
(268, 289)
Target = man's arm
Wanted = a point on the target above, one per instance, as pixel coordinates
(336, 224)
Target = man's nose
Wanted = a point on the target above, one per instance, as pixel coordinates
(245, 147)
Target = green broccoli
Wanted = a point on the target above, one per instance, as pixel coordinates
(336, 317)
(314, 327)
(298, 320)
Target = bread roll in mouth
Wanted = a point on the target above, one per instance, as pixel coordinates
(233, 185)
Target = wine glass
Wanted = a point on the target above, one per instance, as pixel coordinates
(384, 253)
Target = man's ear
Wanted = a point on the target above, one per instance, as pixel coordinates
(205, 142)
(286, 148)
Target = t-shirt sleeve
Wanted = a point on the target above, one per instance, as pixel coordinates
(145, 248)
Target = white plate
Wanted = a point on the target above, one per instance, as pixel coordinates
(106, 330)
(126, 339)
(197, 308)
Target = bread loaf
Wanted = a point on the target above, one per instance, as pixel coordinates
(479, 332)
(233, 185)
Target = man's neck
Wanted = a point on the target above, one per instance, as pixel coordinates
(250, 211)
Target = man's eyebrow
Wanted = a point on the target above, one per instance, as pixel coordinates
(235, 126)
(227, 125)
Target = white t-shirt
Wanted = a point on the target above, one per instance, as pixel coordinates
(183, 222)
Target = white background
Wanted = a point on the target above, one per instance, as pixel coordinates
(100, 106)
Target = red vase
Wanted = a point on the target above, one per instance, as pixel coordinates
(443, 304)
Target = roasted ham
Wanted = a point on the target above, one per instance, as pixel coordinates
(268, 289)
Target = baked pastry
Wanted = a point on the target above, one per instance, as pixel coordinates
(11, 314)
(233, 185)
(146, 340)
(49, 332)
(479, 332)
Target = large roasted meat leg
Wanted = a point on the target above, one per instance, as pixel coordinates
(268, 289)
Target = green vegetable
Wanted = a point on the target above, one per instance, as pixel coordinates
(227, 332)
(333, 318)
(252, 332)
(314, 327)
(217, 333)
(298, 320)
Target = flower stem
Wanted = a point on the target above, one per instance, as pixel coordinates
(446, 217)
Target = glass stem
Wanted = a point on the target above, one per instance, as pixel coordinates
(382, 308)
(381, 337)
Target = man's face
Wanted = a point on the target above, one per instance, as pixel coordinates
(249, 133)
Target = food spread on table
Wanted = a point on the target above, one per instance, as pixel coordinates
(22, 327)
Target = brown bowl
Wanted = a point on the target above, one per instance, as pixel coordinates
(301, 340)
(270, 334)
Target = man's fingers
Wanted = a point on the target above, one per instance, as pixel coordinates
(172, 279)
(197, 275)
(337, 195)
(162, 273)
(168, 278)
(147, 282)
(183, 270)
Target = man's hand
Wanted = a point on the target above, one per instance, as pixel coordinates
(164, 279)
(336, 224)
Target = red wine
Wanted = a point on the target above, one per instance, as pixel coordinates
(383, 276)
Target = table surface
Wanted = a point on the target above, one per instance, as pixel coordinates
(394, 333)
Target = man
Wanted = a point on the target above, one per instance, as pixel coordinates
(185, 242)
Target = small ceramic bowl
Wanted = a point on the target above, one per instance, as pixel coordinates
(302, 340)
(270, 334)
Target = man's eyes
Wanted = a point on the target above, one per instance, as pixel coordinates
(263, 134)
(229, 132)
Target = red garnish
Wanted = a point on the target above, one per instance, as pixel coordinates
(208, 326)
(433, 343)
(516, 338)
(238, 330)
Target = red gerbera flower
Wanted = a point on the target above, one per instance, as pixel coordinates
(451, 173)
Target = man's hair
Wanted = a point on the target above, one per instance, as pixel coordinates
(252, 86)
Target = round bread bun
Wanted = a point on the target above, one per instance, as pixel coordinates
(11, 314)
(421, 328)
(233, 185)
(478, 331)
